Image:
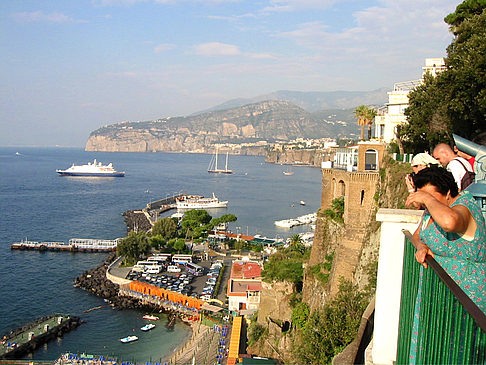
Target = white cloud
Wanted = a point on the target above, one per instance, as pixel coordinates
(39, 16)
(163, 47)
(292, 5)
(172, 2)
(217, 49)
(390, 33)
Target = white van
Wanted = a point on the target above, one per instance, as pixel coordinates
(155, 269)
(173, 268)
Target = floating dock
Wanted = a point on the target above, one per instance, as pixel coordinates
(26, 339)
(74, 245)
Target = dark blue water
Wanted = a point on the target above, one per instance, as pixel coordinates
(37, 204)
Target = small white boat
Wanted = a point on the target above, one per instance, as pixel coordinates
(302, 202)
(288, 172)
(128, 339)
(150, 317)
(147, 327)
(287, 223)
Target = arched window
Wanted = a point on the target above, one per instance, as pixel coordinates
(341, 189)
(371, 160)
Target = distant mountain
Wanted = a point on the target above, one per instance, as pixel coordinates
(314, 100)
(268, 120)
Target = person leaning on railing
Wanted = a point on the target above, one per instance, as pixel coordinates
(452, 231)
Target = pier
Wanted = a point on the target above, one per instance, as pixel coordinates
(74, 245)
(164, 204)
(27, 338)
(153, 209)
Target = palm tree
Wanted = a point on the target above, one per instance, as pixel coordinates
(369, 115)
(295, 240)
(365, 116)
(359, 112)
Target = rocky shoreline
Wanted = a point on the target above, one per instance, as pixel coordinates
(135, 220)
(95, 282)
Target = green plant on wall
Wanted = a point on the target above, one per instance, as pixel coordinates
(336, 212)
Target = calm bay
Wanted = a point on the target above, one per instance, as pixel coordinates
(39, 205)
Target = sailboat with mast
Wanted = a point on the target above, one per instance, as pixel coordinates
(213, 165)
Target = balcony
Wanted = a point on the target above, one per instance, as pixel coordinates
(452, 328)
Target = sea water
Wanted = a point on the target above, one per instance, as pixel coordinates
(38, 204)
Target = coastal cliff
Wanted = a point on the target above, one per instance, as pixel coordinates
(244, 127)
(311, 157)
(345, 247)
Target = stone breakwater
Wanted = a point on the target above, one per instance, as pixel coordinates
(95, 282)
(136, 221)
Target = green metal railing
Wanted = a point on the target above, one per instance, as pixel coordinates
(452, 329)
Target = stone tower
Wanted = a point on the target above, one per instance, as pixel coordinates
(357, 181)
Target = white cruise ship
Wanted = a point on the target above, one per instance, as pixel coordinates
(92, 169)
(199, 202)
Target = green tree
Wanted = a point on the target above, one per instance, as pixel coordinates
(225, 218)
(295, 240)
(165, 227)
(365, 116)
(455, 100)
(179, 245)
(133, 247)
(369, 117)
(157, 241)
(359, 112)
(465, 10)
(465, 79)
(195, 222)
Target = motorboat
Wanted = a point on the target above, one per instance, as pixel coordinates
(148, 327)
(128, 339)
(151, 317)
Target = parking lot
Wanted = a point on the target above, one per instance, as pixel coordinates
(181, 279)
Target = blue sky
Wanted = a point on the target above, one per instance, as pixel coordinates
(69, 67)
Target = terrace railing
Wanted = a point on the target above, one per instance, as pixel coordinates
(452, 329)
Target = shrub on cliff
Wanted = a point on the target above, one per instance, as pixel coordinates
(336, 211)
(286, 264)
(329, 330)
(300, 314)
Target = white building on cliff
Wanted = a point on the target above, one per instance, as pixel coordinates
(393, 113)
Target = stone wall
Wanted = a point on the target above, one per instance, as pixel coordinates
(358, 189)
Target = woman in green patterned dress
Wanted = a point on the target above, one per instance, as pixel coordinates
(453, 231)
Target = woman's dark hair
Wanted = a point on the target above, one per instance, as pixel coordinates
(439, 177)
